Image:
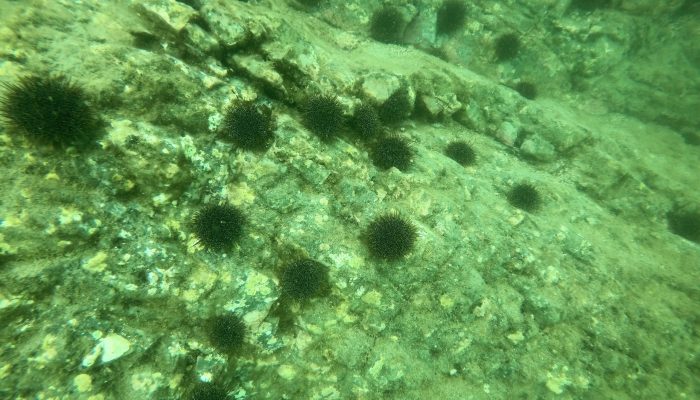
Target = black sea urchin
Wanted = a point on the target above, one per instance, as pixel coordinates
(390, 237)
(207, 391)
(526, 89)
(249, 126)
(304, 279)
(227, 332)
(461, 152)
(525, 197)
(366, 121)
(507, 47)
(49, 109)
(397, 107)
(323, 115)
(387, 25)
(218, 226)
(392, 152)
(685, 223)
(450, 16)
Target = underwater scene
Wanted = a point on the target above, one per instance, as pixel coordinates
(349, 199)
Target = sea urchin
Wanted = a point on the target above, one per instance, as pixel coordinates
(450, 16)
(525, 197)
(461, 152)
(227, 332)
(366, 121)
(49, 109)
(218, 226)
(392, 152)
(390, 237)
(323, 116)
(304, 279)
(207, 391)
(387, 25)
(685, 223)
(249, 126)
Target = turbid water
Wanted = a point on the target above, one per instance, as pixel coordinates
(285, 199)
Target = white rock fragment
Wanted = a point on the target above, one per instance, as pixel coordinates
(96, 263)
(200, 39)
(69, 215)
(377, 367)
(173, 14)
(301, 57)
(146, 382)
(557, 382)
(113, 346)
(83, 383)
(431, 104)
(5, 370)
(373, 298)
(230, 23)
(90, 358)
(328, 393)
(260, 69)
(438, 105)
(379, 86)
(507, 133)
(287, 372)
(160, 199)
(539, 149)
(516, 337)
(7, 303)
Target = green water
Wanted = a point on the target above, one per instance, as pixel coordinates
(286, 199)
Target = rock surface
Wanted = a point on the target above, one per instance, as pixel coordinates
(106, 292)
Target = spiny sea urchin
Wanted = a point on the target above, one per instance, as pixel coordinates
(218, 226)
(227, 332)
(392, 152)
(507, 47)
(249, 126)
(366, 121)
(387, 25)
(390, 236)
(397, 107)
(526, 89)
(450, 16)
(49, 109)
(524, 196)
(323, 115)
(207, 391)
(304, 279)
(685, 223)
(461, 152)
